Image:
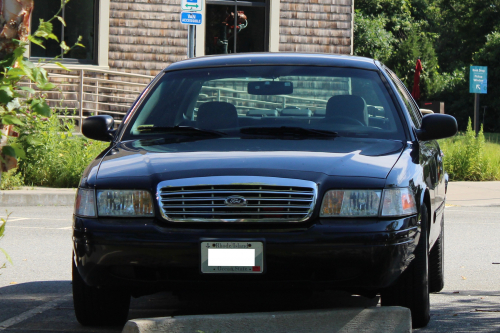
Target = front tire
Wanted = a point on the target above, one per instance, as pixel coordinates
(411, 290)
(99, 306)
(436, 263)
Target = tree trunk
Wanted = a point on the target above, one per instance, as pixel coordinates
(15, 17)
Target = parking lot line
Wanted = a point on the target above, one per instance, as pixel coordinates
(44, 228)
(33, 312)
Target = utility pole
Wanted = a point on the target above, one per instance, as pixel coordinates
(484, 112)
(477, 122)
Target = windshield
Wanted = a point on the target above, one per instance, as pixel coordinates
(267, 101)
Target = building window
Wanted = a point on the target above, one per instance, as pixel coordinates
(81, 20)
(247, 31)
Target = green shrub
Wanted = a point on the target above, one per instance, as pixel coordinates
(55, 157)
(471, 158)
(11, 180)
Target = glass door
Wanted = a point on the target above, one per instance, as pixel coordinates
(245, 31)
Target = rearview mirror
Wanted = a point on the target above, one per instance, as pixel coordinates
(437, 126)
(270, 88)
(98, 128)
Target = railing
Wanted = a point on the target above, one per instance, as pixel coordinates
(239, 102)
(81, 93)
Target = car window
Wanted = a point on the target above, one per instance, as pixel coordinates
(413, 110)
(352, 102)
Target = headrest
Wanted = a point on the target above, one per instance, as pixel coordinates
(215, 115)
(351, 106)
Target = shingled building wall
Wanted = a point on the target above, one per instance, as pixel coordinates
(319, 26)
(145, 35)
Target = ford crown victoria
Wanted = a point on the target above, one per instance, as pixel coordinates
(266, 171)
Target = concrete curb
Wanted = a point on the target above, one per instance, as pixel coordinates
(38, 196)
(359, 320)
(473, 194)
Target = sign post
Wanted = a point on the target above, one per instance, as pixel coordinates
(192, 19)
(478, 84)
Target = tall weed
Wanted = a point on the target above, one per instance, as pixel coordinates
(469, 157)
(55, 156)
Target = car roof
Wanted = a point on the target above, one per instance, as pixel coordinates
(274, 58)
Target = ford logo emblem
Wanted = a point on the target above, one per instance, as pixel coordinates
(236, 201)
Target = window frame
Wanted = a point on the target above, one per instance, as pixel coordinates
(411, 106)
(101, 47)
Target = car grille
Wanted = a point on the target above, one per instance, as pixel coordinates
(237, 199)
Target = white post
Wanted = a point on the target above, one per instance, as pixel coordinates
(97, 97)
(81, 99)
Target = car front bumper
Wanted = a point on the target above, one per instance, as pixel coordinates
(354, 255)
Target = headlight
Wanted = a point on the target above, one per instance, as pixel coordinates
(85, 202)
(351, 203)
(366, 203)
(398, 202)
(124, 203)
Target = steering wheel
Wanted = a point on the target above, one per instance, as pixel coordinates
(348, 120)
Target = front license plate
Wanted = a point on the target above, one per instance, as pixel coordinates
(232, 257)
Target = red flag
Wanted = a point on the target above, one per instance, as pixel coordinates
(416, 81)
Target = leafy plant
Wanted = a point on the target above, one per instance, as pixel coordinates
(16, 101)
(11, 180)
(470, 157)
(372, 39)
(54, 155)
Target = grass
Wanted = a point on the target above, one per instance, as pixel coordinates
(472, 158)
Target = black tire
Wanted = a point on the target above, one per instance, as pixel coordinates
(99, 306)
(436, 263)
(411, 290)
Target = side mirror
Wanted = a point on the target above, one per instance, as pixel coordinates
(437, 126)
(98, 128)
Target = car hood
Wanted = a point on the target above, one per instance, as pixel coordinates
(352, 157)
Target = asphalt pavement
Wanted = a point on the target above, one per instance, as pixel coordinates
(35, 293)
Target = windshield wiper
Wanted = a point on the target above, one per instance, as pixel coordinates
(288, 130)
(179, 130)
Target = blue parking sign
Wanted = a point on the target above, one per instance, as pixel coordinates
(191, 18)
(478, 80)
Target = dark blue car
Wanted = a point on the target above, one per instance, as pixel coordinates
(267, 171)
